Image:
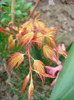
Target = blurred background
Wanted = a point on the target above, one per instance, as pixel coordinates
(61, 14)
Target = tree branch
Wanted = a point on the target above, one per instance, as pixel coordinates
(33, 9)
(8, 26)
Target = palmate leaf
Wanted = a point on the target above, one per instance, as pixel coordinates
(64, 87)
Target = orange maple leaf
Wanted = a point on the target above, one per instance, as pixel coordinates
(30, 90)
(26, 38)
(26, 80)
(16, 58)
(39, 68)
(27, 26)
(51, 39)
(39, 25)
(39, 39)
(11, 42)
(48, 52)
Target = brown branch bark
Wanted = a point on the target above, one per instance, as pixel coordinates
(33, 9)
(8, 26)
(9, 32)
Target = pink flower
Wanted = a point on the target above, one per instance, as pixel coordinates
(53, 70)
(61, 49)
(58, 62)
(54, 81)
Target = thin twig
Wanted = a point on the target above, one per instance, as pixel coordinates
(33, 9)
(8, 26)
(9, 31)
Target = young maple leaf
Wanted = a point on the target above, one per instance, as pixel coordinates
(39, 39)
(11, 42)
(30, 27)
(30, 90)
(27, 26)
(10, 39)
(51, 39)
(26, 80)
(39, 68)
(52, 30)
(48, 52)
(26, 39)
(39, 25)
(16, 58)
(11, 45)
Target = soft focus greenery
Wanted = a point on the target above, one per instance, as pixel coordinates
(21, 10)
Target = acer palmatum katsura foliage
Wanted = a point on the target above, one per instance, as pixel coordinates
(34, 32)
